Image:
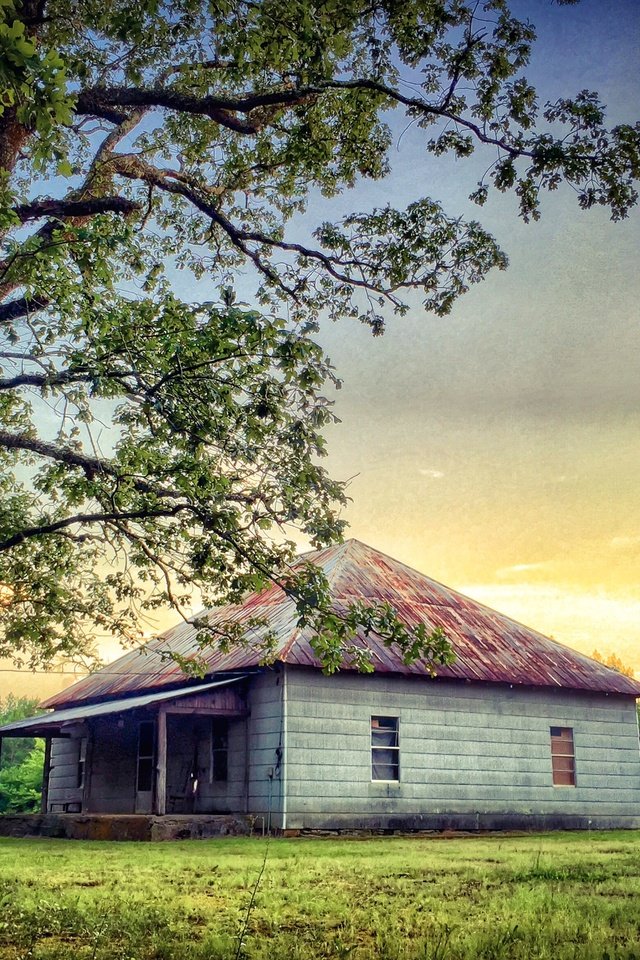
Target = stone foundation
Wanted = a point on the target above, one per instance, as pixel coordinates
(77, 826)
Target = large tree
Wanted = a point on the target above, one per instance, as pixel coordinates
(149, 444)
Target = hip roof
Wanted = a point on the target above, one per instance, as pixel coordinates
(489, 646)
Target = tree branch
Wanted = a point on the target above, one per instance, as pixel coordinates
(86, 207)
(60, 378)
(202, 196)
(21, 307)
(58, 526)
(92, 466)
(104, 101)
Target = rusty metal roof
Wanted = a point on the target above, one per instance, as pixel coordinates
(489, 646)
(47, 722)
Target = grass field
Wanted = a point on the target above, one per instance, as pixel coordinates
(554, 896)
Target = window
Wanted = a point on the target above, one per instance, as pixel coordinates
(385, 749)
(146, 732)
(219, 750)
(563, 760)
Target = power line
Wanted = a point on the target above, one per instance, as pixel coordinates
(65, 673)
(98, 673)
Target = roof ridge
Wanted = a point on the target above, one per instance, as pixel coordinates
(465, 596)
(338, 552)
(345, 548)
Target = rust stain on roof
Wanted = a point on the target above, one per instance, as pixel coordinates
(489, 646)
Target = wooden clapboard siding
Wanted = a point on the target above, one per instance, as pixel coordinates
(63, 774)
(466, 750)
(228, 701)
(265, 734)
(113, 769)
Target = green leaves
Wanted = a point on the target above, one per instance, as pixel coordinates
(151, 447)
(216, 413)
(32, 84)
(21, 785)
(341, 631)
(416, 248)
(22, 761)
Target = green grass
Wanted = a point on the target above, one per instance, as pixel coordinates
(553, 896)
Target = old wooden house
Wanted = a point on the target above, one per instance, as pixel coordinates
(519, 732)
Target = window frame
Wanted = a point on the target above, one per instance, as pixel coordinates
(560, 754)
(390, 723)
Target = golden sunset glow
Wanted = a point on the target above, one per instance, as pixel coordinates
(497, 451)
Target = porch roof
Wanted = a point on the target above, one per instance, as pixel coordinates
(50, 722)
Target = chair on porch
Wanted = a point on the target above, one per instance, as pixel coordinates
(184, 800)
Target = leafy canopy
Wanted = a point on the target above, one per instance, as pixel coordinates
(21, 763)
(12, 708)
(615, 662)
(21, 785)
(148, 443)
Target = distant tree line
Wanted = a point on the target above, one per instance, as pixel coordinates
(22, 760)
(614, 661)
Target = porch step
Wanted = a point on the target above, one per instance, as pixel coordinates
(83, 826)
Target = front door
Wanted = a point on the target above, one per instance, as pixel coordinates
(145, 767)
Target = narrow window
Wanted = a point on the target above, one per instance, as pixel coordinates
(563, 758)
(219, 750)
(145, 756)
(82, 763)
(385, 749)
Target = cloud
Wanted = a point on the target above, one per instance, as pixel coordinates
(505, 572)
(625, 543)
(430, 473)
(561, 478)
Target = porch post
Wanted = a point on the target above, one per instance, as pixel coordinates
(246, 764)
(161, 764)
(88, 764)
(46, 771)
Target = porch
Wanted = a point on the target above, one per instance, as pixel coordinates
(179, 753)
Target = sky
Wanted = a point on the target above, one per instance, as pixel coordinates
(496, 450)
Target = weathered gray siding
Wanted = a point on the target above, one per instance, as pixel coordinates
(63, 778)
(470, 755)
(266, 746)
(112, 767)
(188, 745)
(112, 778)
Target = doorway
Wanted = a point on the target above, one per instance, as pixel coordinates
(145, 766)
